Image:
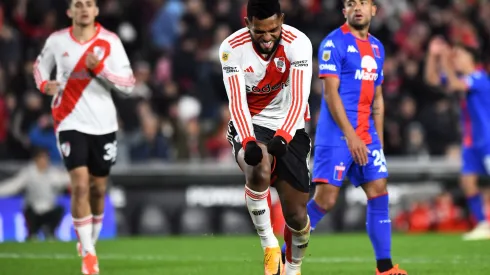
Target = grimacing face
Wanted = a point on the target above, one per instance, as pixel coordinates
(83, 12)
(359, 13)
(266, 33)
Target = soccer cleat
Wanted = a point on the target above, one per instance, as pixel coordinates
(394, 271)
(90, 265)
(480, 232)
(272, 261)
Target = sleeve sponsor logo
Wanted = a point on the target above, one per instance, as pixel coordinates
(301, 63)
(230, 69)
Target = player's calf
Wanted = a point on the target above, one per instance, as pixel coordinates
(378, 223)
(297, 229)
(257, 196)
(97, 200)
(80, 208)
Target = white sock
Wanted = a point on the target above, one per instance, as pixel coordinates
(96, 227)
(260, 212)
(296, 244)
(83, 227)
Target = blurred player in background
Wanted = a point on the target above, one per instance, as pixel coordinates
(458, 70)
(349, 137)
(41, 184)
(88, 59)
(267, 69)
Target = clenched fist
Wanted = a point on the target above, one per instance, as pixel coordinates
(51, 87)
(91, 61)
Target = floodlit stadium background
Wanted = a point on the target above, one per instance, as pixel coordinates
(175, 173)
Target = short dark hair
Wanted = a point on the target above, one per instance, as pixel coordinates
(262, 9)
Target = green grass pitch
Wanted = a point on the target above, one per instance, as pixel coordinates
(338, 254)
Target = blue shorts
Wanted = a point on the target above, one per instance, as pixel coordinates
(475, 161)
(332, 164)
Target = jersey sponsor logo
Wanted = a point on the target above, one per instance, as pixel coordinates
(110, 151)
(225, 56)
(351, 49)
(230, 69)
(338, 173)
(326, 55)
(328, 67)
(82, 74)
(267, 88)
(369, 69)
(329, 44)
(301, 63)
(65, 149)
(280, 64)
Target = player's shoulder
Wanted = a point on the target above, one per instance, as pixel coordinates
(237, 40)
(376, 41)
(291, 35)
(58, 35)
(334, 39)
(108, 35)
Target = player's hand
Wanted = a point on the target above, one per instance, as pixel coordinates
(277, 146)
(52, 87)
(253, 153)
(358, 149)
(91, 61)
(436, 45)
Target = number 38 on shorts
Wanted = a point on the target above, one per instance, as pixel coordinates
(333, 164)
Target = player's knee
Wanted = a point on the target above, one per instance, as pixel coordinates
(326, 197)
(79, 182)
(296, 217)
(375, 188)
(259, 176)
(98, 186)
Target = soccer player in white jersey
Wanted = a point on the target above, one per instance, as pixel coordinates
(89, 61)
(267, 70)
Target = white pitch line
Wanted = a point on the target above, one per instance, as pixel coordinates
(456, 259)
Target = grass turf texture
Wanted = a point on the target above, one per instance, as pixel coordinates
(338, 254)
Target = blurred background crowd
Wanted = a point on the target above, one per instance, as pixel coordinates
(178, 110)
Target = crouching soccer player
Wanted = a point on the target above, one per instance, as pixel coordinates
(267, 69)
(349, 137)
(460, 73)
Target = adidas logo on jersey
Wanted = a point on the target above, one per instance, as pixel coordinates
(351, 49)
(249, 70)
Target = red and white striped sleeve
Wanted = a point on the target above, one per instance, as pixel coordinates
(300, 55)
(234, 80)
(44, 65)
(116, 68)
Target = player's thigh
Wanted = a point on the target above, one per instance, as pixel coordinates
(74, 149)
(331, 165)
(293, 167)
(374, 171)
(102, 154)
(261, 172)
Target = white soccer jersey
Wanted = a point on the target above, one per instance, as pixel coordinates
(84, 103)
(270, 93)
